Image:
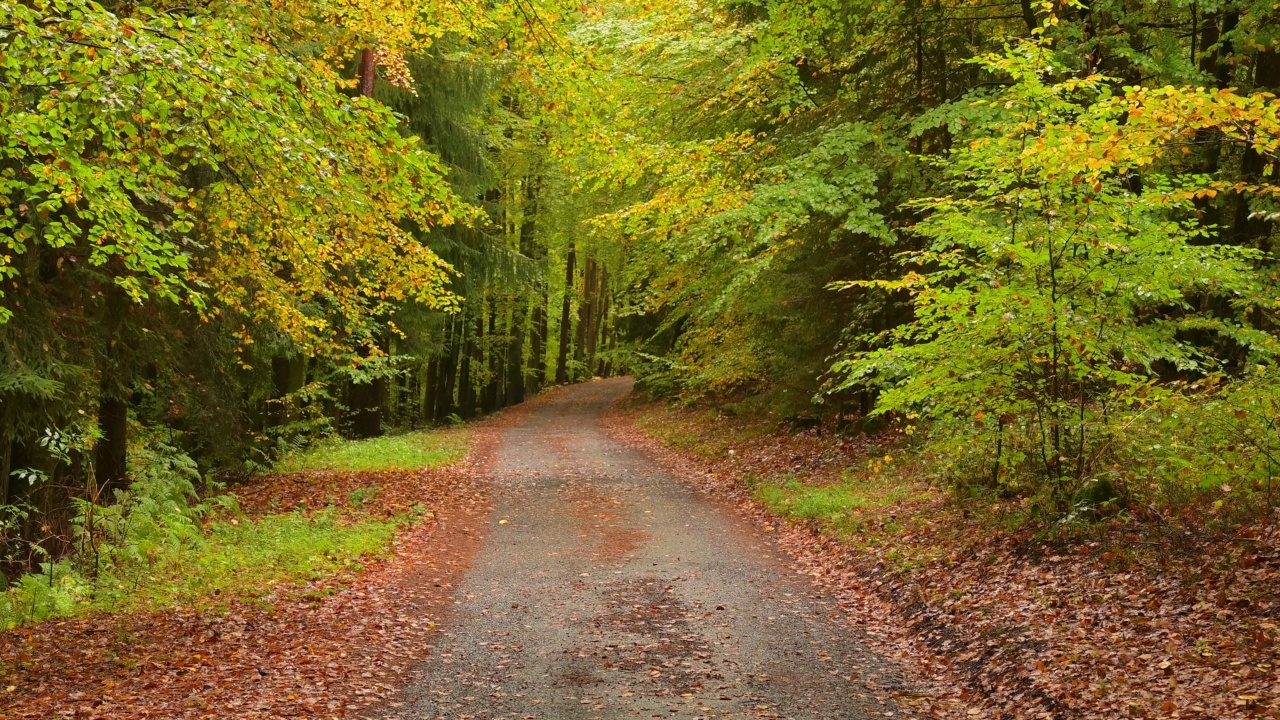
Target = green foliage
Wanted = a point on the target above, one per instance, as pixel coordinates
(1059, 281)
(159, 545)
(249, 557)
(193, 161)
(408, 451)
(1216, 442)
(835, 506)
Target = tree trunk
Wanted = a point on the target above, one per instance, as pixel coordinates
(584, 349)
(600, 337)
(452, 389)
(1248, 229)
(6, 457)
(288, 375)
(516, 377)
(562, 359)
(492, 390)
(426, 390)
(367, 400)
(537, 374)
(466, 385)
(368, 69)
(515, 352)
(111, 455)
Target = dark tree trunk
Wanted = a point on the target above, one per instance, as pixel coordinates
(288, 375)
(537, 375)
(566, 308)
(457, 332)
(1248, 229)
(520, 312)
(1213, 60)
(466, 386)
(6, 458)
(426, 392)
(111, 455)
(515, 353)
(493, 391)
(366, 401)
(600, 338)
(1029, 16)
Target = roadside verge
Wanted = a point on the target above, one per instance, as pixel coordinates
(993, 622)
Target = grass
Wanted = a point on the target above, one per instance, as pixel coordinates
(687, 430)
(408, 451)
(183, 552)
(837, 506)
(245, 558)
(235, 558)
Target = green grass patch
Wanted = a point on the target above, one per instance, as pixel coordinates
(837, 507)
(408, 451)
(234, 558)
(250, 557)
(161, 545)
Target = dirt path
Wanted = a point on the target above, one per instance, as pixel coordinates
(608, 589)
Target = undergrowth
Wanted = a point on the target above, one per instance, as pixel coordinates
(163, 544)
(407, 451)
(835, 507)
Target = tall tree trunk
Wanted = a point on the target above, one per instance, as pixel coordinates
(600, 336)
(366, 400)
(288, 375)
(515, 352)
(368, 69)
(1213, 60)
(516, 378)
(492, 390)
(566, 322)
(584, 349)
(426, 390)
(111, 454)
(537, 374)
(1249, 229)
(449, 375)
(1029, 16)
(466, 385)
(6, 455)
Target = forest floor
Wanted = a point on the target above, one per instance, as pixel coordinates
(597, 559)
(331, 647)
(1155, 619)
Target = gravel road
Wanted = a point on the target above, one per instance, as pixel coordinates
(606, 588)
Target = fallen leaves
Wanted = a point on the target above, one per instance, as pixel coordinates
(336, 647)
(996, 625)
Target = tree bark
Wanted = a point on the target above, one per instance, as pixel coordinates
(466, 386)
(584, 349)
(537, 375)
(449, 371)
(566, 306)
(368, 69)
(111, 454)
(492, 391)
(514, 394)
(426, 391)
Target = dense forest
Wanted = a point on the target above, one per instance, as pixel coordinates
(1035, 238)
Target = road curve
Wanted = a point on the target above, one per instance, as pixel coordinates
(608, 589)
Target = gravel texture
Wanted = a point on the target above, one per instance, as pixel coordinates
(606, 588)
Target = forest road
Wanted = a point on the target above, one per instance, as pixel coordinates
(606, 588)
